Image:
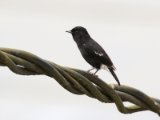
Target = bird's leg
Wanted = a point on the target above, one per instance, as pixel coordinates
(96, 71)
(90, 70)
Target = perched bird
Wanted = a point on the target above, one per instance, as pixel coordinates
(91, 51)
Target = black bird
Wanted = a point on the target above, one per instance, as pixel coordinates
(91, 51)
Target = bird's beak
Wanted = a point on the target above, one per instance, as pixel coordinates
(69, 31)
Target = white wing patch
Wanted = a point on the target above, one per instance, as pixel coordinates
(98, 53)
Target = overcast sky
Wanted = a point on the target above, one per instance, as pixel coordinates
(129, 31)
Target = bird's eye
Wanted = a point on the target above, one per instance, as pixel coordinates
(76, 31)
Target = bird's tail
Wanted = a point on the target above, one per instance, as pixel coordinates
(114, 75)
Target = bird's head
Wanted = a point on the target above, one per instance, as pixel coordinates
(80, 34)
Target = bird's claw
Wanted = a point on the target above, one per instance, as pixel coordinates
(93, 74)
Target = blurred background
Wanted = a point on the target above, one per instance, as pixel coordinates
(129, 31)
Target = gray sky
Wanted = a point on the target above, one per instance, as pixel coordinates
(129, 31)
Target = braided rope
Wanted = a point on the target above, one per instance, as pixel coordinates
(79, 82)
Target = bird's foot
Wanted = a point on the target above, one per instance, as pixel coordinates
(93, 74)
(90, 70)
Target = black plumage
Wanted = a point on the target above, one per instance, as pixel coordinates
(91, 51)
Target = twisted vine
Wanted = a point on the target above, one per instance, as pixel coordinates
(79, 82)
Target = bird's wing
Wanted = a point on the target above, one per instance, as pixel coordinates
(94, 50)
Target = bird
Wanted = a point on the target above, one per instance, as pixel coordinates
(92, 52)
